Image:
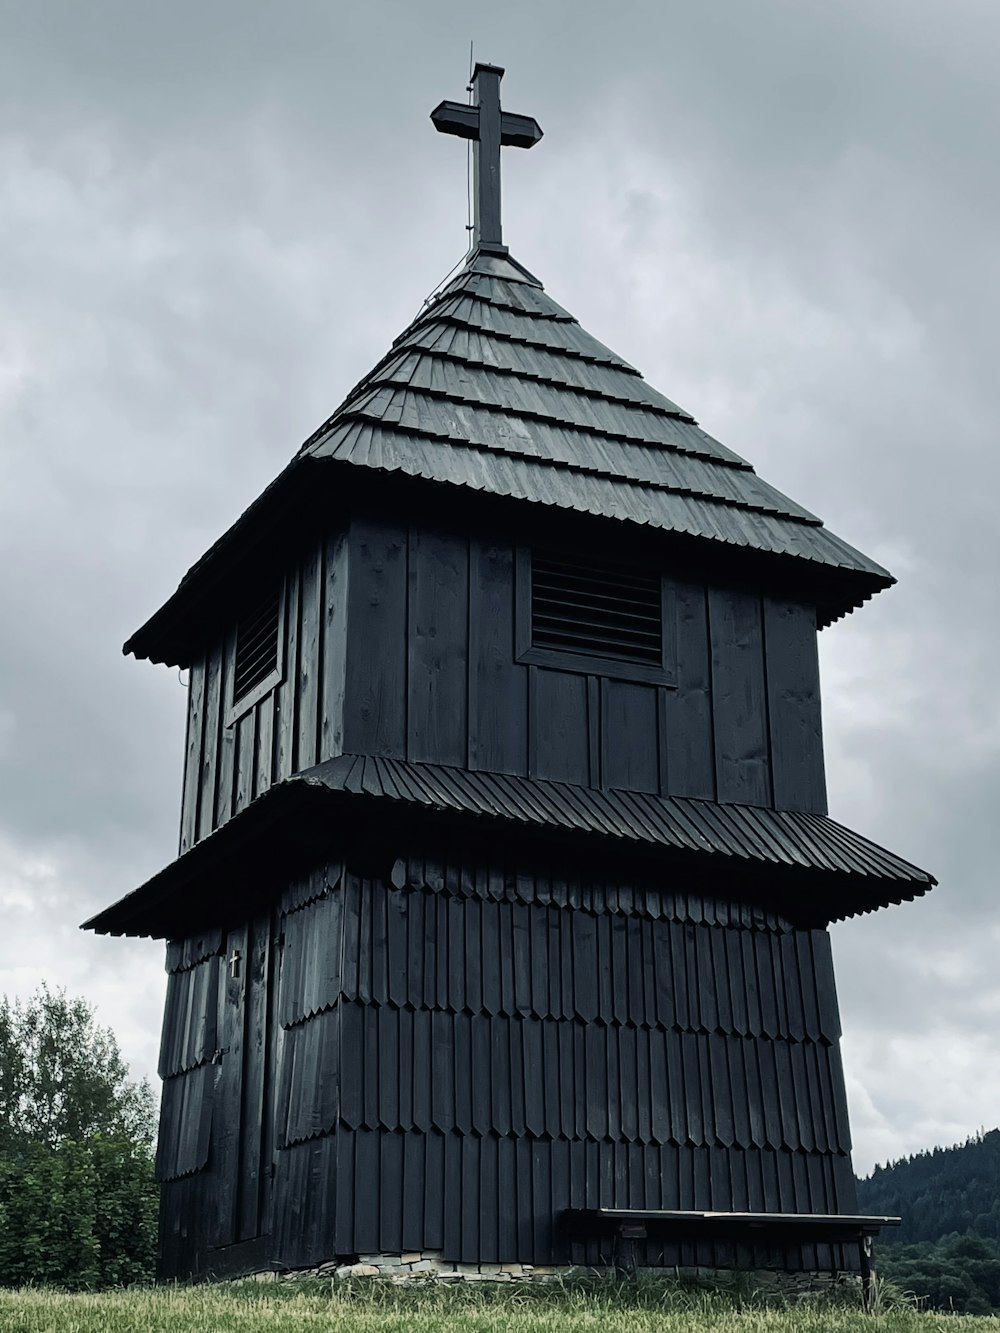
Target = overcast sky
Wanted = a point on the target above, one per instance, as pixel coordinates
(214, 218)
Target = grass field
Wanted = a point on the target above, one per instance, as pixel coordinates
(366, 1307)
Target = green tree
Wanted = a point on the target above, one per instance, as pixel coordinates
(78, 1200)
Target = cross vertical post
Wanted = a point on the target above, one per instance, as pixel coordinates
(490, 128)
(487, 227)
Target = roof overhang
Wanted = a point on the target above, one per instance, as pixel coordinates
(494, 397)
(806, 867)
(313, 492)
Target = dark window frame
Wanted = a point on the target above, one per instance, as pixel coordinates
(593, 664)
(238, 708)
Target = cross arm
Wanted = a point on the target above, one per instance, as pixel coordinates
(519, 131)
(463, 120)
(456, 118)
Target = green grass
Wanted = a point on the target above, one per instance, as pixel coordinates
(365, 1306)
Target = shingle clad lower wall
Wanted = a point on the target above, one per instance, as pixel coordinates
(507, 1047)
(462, 1051)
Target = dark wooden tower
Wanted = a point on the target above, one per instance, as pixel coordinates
(505, 866)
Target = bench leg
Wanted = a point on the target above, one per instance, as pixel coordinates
(867, 1286)
(624, 1252)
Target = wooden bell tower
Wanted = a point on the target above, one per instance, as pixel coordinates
(505, 867)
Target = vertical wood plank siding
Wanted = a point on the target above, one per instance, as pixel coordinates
(498, 686)
(312, 620)
(461, 1051)
(739, 700)
(334, 646)
(438, 646)
(227, 765)
(193, 749)
(558, 726)
(629, 736)
(375, 702)
(400, 642)
(793, 700)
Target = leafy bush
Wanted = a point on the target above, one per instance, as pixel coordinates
(78, 1202)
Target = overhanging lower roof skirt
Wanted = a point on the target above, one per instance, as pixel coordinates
(806, 865)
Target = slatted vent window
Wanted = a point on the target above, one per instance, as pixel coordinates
(257, 646)
(600, 610)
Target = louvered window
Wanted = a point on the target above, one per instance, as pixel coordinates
(596, 609)
(258, 650)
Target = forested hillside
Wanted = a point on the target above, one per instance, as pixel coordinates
(939, 1192)
(947, 1250)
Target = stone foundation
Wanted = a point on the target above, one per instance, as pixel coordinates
(428, 1265)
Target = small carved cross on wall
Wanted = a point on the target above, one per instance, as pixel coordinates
(489, 128)
(234, 963)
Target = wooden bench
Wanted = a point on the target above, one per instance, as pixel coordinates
(626, 1226)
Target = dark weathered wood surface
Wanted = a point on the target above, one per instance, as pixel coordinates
(558, 726)
(226, 775)
(498, 686)
(312, 620)
(400, 642)
(437, 641)
(794, 713)
(226, 1151)
(467, 1048)
(739, 700)
(375, 701)
(256, 1078)
(333, 646)
(630, 741)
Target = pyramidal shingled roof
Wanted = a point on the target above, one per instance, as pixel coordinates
(496, 388)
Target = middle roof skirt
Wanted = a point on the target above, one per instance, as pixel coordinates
(801, 863)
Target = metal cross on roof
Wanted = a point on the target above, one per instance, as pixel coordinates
(490, 128)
